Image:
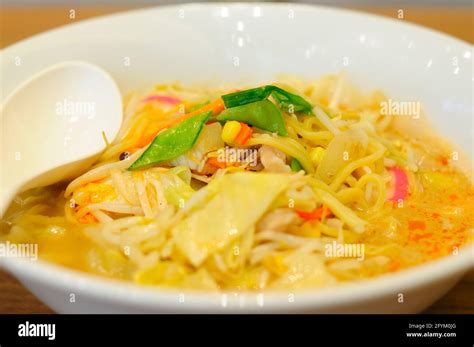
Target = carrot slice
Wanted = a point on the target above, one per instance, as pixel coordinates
(244, 134)
(317, 213)
(213, 161)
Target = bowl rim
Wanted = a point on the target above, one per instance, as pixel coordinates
(237, 4)
(113, 290)
(108, 290)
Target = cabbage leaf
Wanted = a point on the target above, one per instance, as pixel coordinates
(233, 206)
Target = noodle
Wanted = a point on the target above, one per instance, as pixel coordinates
(325, 120)
(101, 172)
(341, 211)
(342, 176)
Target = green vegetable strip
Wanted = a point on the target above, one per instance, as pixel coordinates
(261, 114)
(172, 142)
(295, 165)
(246, 96)
(288, 101)
(291, 102)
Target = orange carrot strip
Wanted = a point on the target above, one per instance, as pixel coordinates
(317, 213)
(213, 161)
(244, 134)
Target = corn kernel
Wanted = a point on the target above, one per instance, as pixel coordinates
(230, 131)
(317, 154)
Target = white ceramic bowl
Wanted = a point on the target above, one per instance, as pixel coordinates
(238, 43)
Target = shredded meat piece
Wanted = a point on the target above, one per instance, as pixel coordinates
(278, 220)
(273, 160)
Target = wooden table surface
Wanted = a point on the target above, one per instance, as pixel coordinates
(19, 22)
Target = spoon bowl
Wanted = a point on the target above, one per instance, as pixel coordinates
(55, 125)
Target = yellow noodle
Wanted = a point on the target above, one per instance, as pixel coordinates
(348, 169)
(381, 191)
(341, 211)
(308, 133)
